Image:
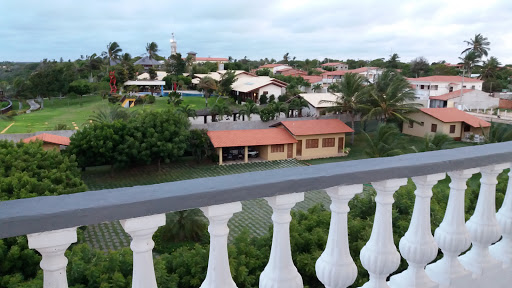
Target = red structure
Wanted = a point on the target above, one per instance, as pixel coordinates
(113, 87)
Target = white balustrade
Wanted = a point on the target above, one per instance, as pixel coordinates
(335, 268)
(418, 246)
(379, 256)
(483, 226)
(218, 274)
(52, 245)
(503, 249)
(141, 229)
(280, 271)
(452, 235)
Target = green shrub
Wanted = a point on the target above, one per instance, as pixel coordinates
(263, 99)
(150, 99)
(11, 114)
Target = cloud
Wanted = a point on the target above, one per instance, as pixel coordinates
(33, 29)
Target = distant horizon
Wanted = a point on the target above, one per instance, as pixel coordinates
(368, 30)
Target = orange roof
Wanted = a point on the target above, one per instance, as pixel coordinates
(315, 127)
(448, 115)
(255, 137)
(443, 78)
(332, 64)
(49, 138)
(450, 95)
(292, 72)
(271, 65)
(312, 79)
(337, 72)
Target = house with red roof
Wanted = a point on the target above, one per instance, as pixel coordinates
(301, 139)
(274, 67)
(336, 65)
(50, 141)
(370, 73)
(451, 121)
(426, 87)
(467, 98)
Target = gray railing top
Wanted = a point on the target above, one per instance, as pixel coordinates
(25, 216)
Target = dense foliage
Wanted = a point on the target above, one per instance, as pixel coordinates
(144, 138)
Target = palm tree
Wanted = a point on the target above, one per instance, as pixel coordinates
(113, 51)
(152, 49)
(187, 225)
(221, 109)
(470, 60)
(390, 97)
(498, 132)
(207, 84)
(109, 114)
(278, 108)
(490, 68)
(385, 142)
(18, 86)
(351, 90)
(479, 45)
(298, 104)
(248, 109)
(435, 142)
(317, 87)
(188, 110)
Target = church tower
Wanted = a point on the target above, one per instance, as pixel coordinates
(173, 45)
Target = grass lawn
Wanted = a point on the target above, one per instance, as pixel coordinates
(66, 111)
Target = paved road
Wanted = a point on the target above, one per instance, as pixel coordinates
(33, 105)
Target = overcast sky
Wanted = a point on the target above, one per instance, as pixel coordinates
(31, 30)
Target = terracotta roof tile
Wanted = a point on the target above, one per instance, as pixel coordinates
(448, 115)
(315, 127)
(49, 138)
(333, 64)
(254, 137)
(450, 95)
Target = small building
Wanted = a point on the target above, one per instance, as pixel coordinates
(336, 66)
(451, 121)
(426, 87)
(321, 138)
(301, 139)
(147, 62)
(316, 106)
(471, 99)
(147, 86)
(274, 67)
(50, 141)
(253, 88)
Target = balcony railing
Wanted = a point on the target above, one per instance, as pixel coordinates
(50, 222)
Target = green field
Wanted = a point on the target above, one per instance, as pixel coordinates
(66, 111)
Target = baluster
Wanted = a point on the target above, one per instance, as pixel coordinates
(280, 271)
(418, 246)
(335, 268)
(452, 235)
(52, 245)
(483, 226)
(141, 229)
(503, 249)
(379, 256)
(218, 274)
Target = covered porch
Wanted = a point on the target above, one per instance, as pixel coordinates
(147, 86)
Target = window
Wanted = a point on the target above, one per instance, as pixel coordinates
(411, 124)
(452, 129)
(434, 87)
(433, 128)
(277, 148)
(328, 142)
(451, 89)
(422, 124)
(422, 87)
(311, 143)
(464, 86)
(265, 92)
(473, 87)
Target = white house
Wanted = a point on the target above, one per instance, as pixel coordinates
(370, 73)
(426, 87)
(336, 65)
(275, 67)
(254, 87)
(471, 99)
(315, 105)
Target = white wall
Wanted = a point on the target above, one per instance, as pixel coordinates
(475, 100)
(271, 89)
(442, 88)
(277, 68)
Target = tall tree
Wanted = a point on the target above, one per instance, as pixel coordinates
(390, 97)
(248, 109)
(470, 60)
(393, 61)
(226, 82)
(419, 66)
(152, 50)
(221, 109)
(176, 65)
(479, 45)
(384, 143)
(490, 68)
(19, 87)
(351, 89)
(317, 87)
(113, 52)
(208, 85)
